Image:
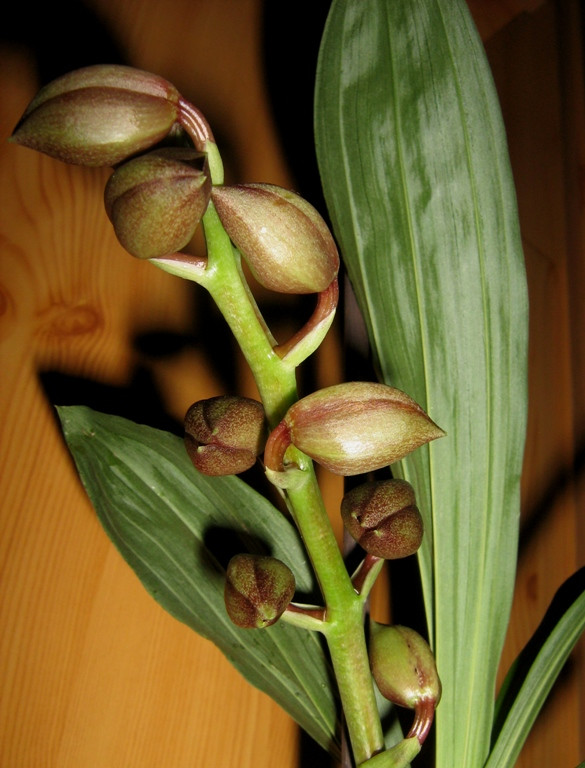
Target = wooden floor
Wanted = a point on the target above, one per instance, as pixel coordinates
(93, 673)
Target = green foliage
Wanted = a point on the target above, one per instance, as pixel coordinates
(534, 672)
(174, 526)
(416, 176)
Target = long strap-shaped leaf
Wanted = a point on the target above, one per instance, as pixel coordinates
(529, 681)
(175, 528)
(416, 176)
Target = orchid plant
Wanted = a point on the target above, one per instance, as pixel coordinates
(416, 177)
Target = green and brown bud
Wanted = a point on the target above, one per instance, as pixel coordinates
(405, 672)
(383, 518)
(352, 428)
(224, 435)
(285, 241)
(156, 201)
(258, 590)
(99, 115)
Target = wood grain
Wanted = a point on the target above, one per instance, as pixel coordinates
(94, 674)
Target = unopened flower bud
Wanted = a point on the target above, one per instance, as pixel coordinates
(383, 518)
(99, 115)
(258, 590)
(405, 672)
(224, 435)
(285, 241)
(352, 428)
(156, 201)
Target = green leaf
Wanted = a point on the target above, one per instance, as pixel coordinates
(416, 176)
(177, 529)
(534, 672)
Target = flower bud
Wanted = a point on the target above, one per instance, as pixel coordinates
(353, 428)
(403, 666)
(99, 115)
(224, 435)
(156, 201)
(383, 518)
(258, 590)
(285, 241)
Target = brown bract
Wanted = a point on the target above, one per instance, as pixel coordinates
(383, 518)
(225, 434)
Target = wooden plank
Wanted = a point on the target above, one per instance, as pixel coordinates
(93, 673)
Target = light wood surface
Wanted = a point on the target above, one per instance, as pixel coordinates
(93, 673)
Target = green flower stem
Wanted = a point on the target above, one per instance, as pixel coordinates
(276, 381)
(214, 161)
(224, 280)
(343, 625)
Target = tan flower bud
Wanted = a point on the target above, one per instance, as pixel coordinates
(383, 518)
(258, 590)
(99, 115)
(224, 435)
(352, 428)
(403, 666)
(285, 241)
(156, 201)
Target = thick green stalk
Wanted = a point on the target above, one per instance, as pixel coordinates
(344, 620)
(343, 625)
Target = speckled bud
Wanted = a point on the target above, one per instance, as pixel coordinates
(99, 115)
(383, 518)
(156, 201)
(403, 666)
(258, 590)
(285, 241)
(353, 428)
(224, 435)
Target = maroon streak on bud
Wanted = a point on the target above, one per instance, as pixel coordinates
(98, 116)
(405, 672)
(383, 518)
(258, 590)
(156, 201)
(224, 435)
(355, 428)
(282, 237)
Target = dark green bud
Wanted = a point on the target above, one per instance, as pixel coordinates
(258, 590)
(285, 241)
(352, 428)
(156, 201)
(383, 518)
(98, 116)
(224, 435)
